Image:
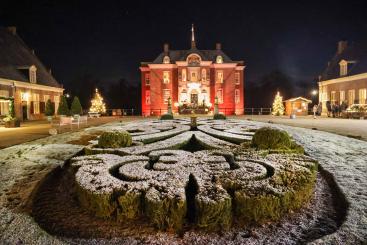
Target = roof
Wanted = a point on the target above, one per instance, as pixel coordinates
(298, 98)
(15, 56)
(181, 55)
(356, 56)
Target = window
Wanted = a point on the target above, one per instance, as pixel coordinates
(147, 79)
(193, 59)
(33, 74)
(166, 60)
(203, 75)
(184, 75)
(343, 67)
(333, 96)
(24, 96)
(351, 97)
(46, 97)
(219, 59)
(342, 96)
(237, 78)
(57, 101)
(166, 95)
(220, 96)
(147, 97)
(362, 96)
(4, 104)
(166, 77)
(219, 76)
(193, 76)
(237, 96)
(36, 104)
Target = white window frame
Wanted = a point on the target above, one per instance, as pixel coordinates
(203, 75)
(166, 77)
(46, 97)
(342, 95)
(33, 74)
(147, 97)
(237, 96)
(166, 94)
(219, 95)
(343, 67)
(362, 95)
(351, 96)
(333, 96)
(36, 103)
(166, 60)
(184, 75)
(219, 59)
(220, 79)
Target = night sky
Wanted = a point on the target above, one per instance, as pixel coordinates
(108, 40)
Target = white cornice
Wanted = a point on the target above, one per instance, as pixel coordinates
(343, 79)
(224, 65)
(144, 68)
(162, 66)
(240, 68)
(19, 84)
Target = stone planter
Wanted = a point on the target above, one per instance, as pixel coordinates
(12, 124)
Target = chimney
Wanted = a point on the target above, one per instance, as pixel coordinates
(12, 29)
(166, 48)
(342, 45)
(218, 46)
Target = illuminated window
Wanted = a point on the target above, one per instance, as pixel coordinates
(166, 95)
(166, 78)
(237, 78)
(184, 75)
(237, 96)
(219, 59)
(219, 76)
(220, 96)
(166, 60)
(203, 75)
(193, 76)
(193, 59)
(147, 79)
(342, 96)
(147, 97)
(33, 74)
(333, 96)
(57, 102)
(362, 96)
(36, 103)
(343, 68)
(4, 104)
(351, 97)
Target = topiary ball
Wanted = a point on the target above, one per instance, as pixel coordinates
(114, 139)
(269, 138)
(219, 117)
(167, 117)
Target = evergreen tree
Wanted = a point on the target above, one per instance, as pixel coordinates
(63, 107)
(50, 109)
(97, 103)
(278, 107)
(76, 107)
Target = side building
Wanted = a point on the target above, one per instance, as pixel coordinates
(345, 77)
(25, 78)
(192, 78)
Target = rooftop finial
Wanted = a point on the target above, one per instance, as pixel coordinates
(193, 44)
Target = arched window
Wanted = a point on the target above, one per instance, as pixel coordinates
(193, 59)
(166, 60)
(219, 59)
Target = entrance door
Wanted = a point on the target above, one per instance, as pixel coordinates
(24, 110)
(194, 98)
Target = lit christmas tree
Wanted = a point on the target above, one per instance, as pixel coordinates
(98, 106)
(278, 107)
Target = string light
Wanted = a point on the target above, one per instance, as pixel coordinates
(98, 106)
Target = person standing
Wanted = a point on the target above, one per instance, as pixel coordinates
(314, 109)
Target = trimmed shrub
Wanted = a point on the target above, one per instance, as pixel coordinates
(271, 139)
(76, 107)
(63, 107)
(114, 139)
(167, 117)
(50, 109)
(219, 117)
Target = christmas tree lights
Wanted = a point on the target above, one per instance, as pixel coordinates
(98, 106)
(278, 107)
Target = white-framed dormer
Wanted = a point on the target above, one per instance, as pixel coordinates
(33, 74)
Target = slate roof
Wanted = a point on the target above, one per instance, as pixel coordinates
(356, 52)
(15, 56)
(181, 55)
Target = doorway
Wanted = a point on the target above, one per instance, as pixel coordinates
(194, 98)
(25, 112)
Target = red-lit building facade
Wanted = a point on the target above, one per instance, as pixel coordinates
(192, 77)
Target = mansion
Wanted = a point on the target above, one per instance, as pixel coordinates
(192, 79)
(345, 77)
(24, 78)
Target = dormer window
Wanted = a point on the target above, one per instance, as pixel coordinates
(219, 59)
(33, 74)
(343, 67)
(166, 60)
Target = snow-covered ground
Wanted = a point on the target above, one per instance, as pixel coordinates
(345, 158)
